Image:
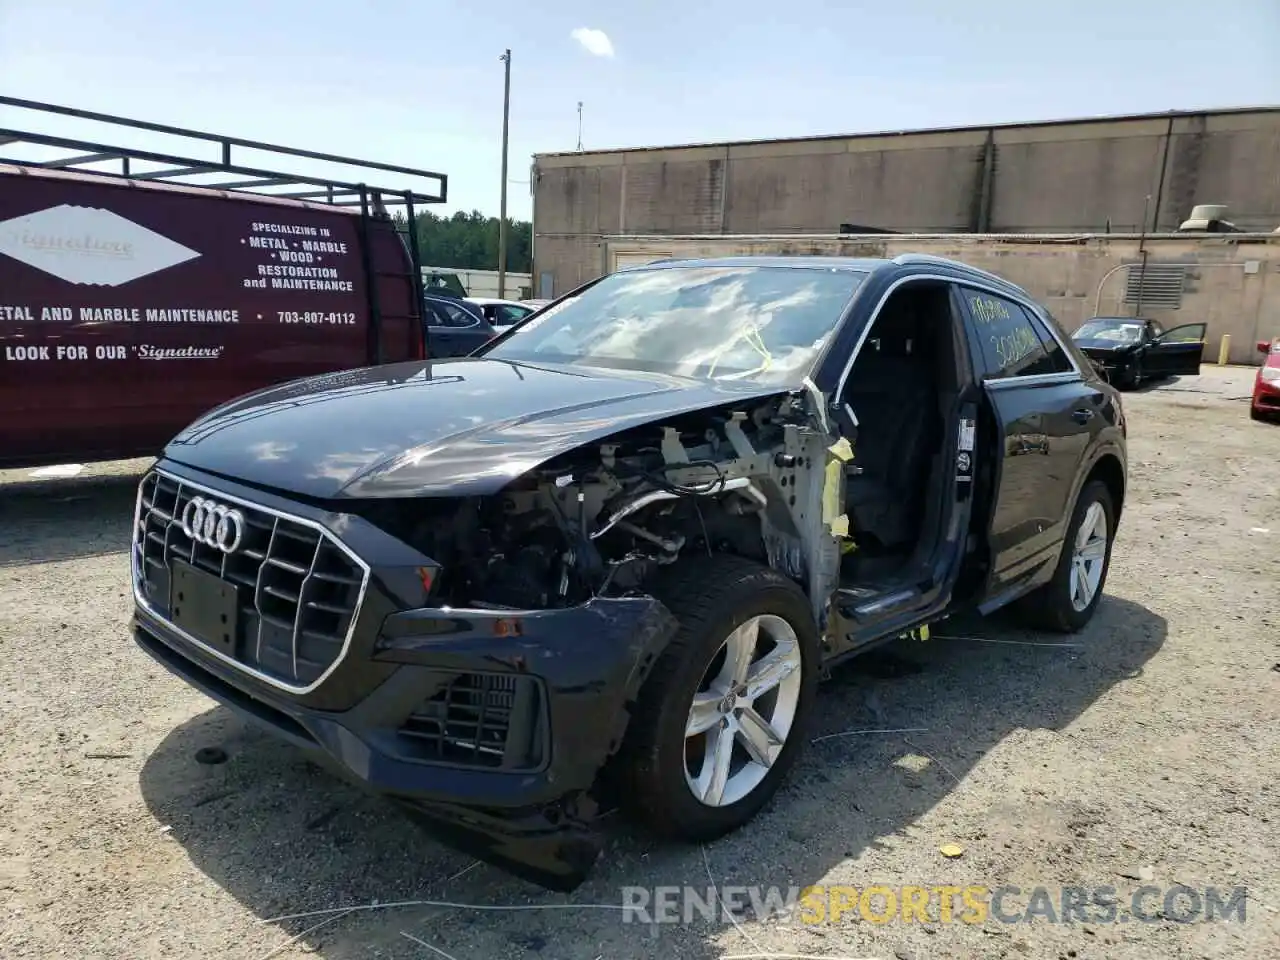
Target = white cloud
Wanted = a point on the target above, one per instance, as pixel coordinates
(595, 42)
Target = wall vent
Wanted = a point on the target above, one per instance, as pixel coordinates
(1158, 287)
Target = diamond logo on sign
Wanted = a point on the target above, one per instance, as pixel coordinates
(89, 245)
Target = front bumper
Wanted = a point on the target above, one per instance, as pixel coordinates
(490, 727)
(534, 821)
(1266, 397)
(1113, 367)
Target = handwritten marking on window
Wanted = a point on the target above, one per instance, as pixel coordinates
(986, 310)
(1013, 347)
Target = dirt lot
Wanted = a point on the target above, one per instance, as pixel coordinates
(1148, 755)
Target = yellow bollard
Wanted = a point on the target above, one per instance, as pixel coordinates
(1224, 349)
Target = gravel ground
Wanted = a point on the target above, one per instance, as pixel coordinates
(1148, 754)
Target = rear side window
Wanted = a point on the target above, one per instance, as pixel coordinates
(1008, 340)
(448, 315)
(1058, 358)
(508, 314)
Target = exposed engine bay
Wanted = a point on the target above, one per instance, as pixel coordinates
(600, 520)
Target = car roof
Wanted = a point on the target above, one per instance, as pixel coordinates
(486, 301)
(866, 264)
(862, 264)
(456, 301)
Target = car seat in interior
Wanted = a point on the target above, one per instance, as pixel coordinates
(893, 392)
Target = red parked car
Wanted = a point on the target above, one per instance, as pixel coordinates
(1266, 388)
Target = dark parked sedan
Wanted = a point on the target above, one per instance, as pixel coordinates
(454, 327)
(1132, 349)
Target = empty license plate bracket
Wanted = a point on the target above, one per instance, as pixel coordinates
(205, 606)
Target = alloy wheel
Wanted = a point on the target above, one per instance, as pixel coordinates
(744, 711)
(1089, 555)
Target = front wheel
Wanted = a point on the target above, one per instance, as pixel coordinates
(1129, 379)
(1067, 602)
(722, 716)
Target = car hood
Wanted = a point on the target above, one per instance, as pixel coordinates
(1107, 348)
(462, 427)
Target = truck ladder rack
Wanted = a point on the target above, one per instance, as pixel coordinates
(86, 156)
(128, 163)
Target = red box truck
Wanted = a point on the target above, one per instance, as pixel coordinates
(133, 299)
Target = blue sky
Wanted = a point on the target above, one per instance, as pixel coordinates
(420, 83)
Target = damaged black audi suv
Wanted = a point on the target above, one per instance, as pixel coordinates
(615, 547)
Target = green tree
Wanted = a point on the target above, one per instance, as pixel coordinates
(469, 241)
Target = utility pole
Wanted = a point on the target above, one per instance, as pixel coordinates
(579, 126)
(502, 213)
(1142, 249)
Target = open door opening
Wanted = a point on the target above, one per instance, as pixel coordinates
(903, 489)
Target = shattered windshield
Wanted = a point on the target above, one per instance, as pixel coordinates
(1117, 331)
(758, 324)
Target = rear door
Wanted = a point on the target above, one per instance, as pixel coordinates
(454, 331)
(1176, 352)
(1044, 415)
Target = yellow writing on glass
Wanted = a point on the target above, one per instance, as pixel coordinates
(986, 310)
(1015, 346)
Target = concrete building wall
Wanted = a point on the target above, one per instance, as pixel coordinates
(1076, 176)
(1231, 284)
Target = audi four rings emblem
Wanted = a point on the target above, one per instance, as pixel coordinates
(213, 524)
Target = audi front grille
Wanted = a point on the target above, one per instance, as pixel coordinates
(296, 589)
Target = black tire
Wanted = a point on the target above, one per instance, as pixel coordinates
(710, 598)
(1049, 607)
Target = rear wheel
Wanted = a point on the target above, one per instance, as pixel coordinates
(1067, 602)
(722, 716)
